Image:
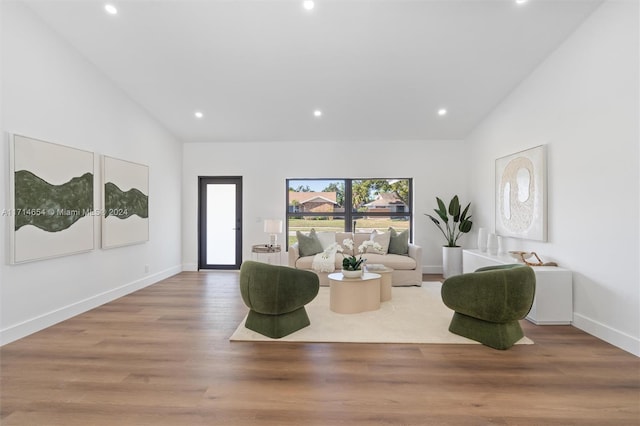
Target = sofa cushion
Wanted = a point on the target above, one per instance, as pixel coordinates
(309, 244)
(359, 238)
(307, 262)
(340, 237)
(399, 242)
(326, 239)
(394, 261)
(381, 238)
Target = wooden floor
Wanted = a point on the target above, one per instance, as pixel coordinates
(161, 356)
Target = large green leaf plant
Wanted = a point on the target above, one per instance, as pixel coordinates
(455, 223)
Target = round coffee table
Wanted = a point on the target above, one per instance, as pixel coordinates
(353, 295)
(385, 282)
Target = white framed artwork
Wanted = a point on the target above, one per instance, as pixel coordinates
(521, 194)
(125, 202)
(50, 198)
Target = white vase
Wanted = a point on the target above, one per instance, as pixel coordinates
(451, 261)
(492, 244)
(482, 239)
(352, 274)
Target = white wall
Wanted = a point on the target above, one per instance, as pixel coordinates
(438, 169)
(583, 103)
(50, 92)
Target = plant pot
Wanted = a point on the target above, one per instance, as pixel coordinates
(451, 261)
(352, 274)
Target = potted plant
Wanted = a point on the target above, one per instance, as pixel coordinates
(351, 265)
(456, 223)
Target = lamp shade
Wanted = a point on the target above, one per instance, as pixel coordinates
(272, 226)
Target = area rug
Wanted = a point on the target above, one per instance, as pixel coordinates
(413, 315)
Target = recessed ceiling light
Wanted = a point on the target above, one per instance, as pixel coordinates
(111, 9)
(198, 114)
(521, 1)
(442, 112)
(308, 4)
(317, 113)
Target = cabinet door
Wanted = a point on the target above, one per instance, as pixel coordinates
(553, 304)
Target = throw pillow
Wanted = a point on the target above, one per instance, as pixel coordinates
(382, 238)
(308, 245)
(326, 239)
(399, 242)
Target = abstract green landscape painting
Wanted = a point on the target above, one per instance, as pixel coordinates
(125, 202)
(52, 210)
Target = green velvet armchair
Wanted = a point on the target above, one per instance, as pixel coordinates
(276, 296)
(489, 302)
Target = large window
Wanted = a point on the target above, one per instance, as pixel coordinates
(345, 205)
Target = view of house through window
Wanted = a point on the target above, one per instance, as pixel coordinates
(343, 205)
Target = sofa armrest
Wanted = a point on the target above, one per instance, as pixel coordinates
(415, 252)
(294, 254)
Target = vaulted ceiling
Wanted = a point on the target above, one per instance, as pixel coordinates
(258, 69)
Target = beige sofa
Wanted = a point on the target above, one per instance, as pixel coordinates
(407, 269)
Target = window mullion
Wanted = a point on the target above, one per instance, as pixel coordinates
(348, 206)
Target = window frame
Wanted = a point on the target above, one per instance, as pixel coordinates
(349, 213)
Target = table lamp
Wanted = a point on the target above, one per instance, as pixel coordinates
(273, 227)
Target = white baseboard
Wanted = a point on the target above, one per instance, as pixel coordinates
(432, 269)
(25, 328)
(615, 337)
(191, 267)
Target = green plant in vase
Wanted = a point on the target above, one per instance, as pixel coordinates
(456, 222)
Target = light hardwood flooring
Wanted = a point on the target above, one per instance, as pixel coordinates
(161, 356)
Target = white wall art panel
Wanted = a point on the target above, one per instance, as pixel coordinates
(51, 199)
(125, 195)
(521, 194)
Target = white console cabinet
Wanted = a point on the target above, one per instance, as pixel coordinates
(553, 303)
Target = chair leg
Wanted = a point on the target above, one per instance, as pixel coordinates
(277, 326)
(495, 335)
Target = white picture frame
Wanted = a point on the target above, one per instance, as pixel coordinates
(521, 194)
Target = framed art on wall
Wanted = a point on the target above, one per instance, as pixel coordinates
(125, 195)
(51, 200)
(521, 194)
